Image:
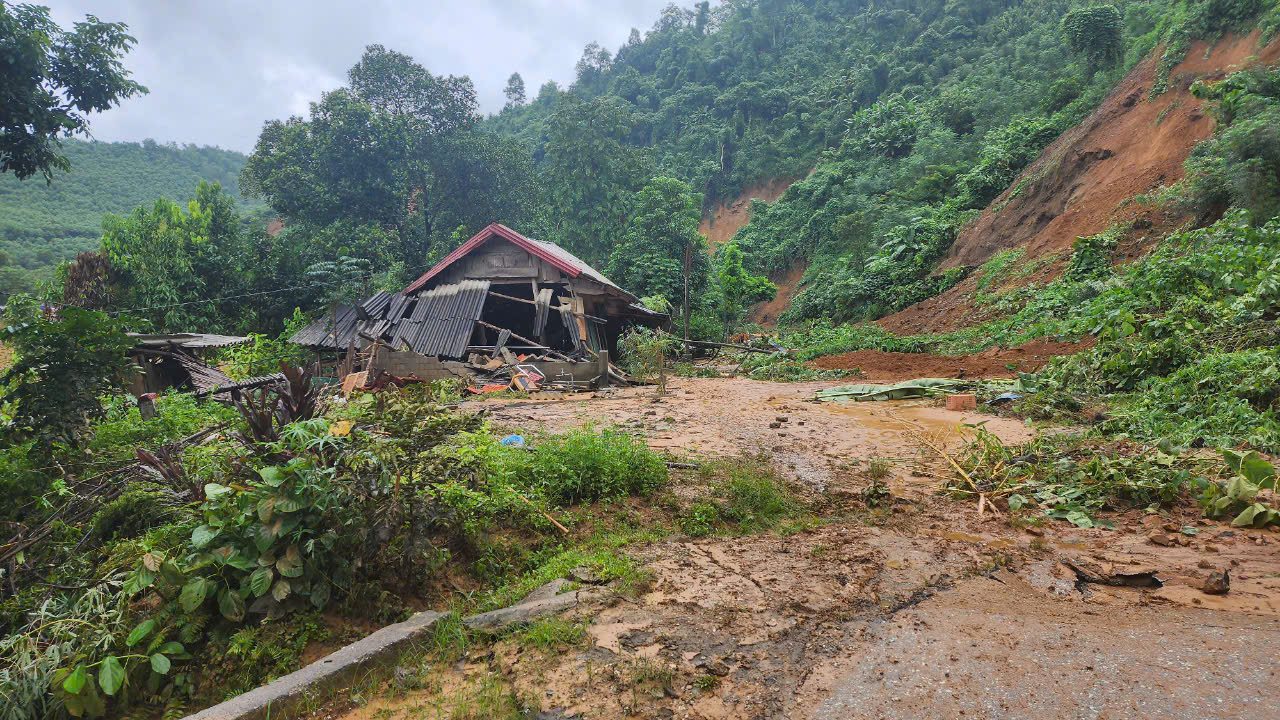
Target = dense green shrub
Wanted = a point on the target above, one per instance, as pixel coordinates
(178, 415)
(133, 513)
(1218, 400)
(584, 465)
(1240, 165)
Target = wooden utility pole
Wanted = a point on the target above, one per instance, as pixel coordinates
(688, 268)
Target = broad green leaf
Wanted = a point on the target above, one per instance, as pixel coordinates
(193, 594)
(144, 629)
(266, 507)
(213, 490)
(75, 681)
(264, 535)
(202, 536)
(240, 562)
(1238, 488)
(138, 580)
(272, 475)
(280, 590)
(1017, 502)
(1245, 518)
(291, 564)
(172, 648)
(1079, 519)
(1232, 459)
(160, 664)
(1255, 469)
(260, 581)
(231, 605)
(111, 675)
(286, 504)
(171, 574)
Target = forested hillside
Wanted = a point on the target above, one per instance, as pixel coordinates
(903, 119)
(42, 224)
(908, 117)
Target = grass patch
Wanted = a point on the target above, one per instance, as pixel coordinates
(745, 497)
(584, 465)
(600, 553)
(548, 634)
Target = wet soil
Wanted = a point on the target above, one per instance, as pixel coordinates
(1086, 179)
(925, 608)
(877, 366)
(814, 444)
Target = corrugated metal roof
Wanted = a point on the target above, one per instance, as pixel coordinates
(325, 333)
(437, 322)
(191, 341)
(562, 259)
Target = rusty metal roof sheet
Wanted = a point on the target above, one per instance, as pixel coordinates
(437, 322)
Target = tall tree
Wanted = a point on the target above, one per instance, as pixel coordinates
(392, 82)
(662, 252)
(64, 367)
(1096, 33)
(395, 153)
(50, 80)
(739, 288)
(514, 91)
(173, 265)
(703, 17)
(591, 172)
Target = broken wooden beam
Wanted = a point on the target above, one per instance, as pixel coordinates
(527, 340)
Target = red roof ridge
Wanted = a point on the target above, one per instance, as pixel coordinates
(495, 230)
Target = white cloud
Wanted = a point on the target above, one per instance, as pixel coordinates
(217, 71)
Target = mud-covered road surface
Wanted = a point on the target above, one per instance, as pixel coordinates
(928, 611)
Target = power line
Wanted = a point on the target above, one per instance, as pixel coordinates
(231, 297)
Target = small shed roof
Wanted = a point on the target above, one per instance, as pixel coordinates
(189, 341)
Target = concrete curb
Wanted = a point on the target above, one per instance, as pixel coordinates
(283, 696)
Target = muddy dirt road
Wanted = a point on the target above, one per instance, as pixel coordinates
(928, 611)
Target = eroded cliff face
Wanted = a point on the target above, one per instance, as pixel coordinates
(1086, 179)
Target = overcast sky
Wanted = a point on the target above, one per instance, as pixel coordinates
(218, 70)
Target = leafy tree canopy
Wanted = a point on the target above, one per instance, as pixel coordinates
(65, 364)
(1097, 33)
(50, 80)
(662, 252)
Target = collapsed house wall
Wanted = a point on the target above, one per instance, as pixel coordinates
(499, 290)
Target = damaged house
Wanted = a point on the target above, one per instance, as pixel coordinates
(500, 294)
(180, 360)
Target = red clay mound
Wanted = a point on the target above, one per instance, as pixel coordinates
(1080, 185)
(885, 367)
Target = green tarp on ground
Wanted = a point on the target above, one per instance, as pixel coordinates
(920, 387)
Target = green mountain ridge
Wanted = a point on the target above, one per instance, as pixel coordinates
(42, 224)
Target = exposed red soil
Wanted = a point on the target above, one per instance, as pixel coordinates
(788, 282)
(730, 215)
(727, 218)
(1084, 180)
(878, 366)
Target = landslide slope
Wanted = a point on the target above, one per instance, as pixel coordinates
(1085, 180)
